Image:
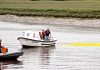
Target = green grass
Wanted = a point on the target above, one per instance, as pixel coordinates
(79, 5)
(79, 9)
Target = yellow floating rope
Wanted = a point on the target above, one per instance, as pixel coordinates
(83, 44)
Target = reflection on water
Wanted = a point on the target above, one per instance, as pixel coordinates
(36, 58)
(45, 54)
(52, 58)
(11, 65)
(45, 51)
(0, 65)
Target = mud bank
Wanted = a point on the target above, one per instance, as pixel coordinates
(91, 23)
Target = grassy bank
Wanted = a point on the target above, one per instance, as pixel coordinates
(77, 9)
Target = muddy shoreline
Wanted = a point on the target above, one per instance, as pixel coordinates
(76, 22)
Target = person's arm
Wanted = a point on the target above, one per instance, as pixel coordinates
(50, 35)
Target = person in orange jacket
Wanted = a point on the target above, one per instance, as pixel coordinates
(2, 48)
(42, 34)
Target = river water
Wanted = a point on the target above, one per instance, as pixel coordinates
(60, 57)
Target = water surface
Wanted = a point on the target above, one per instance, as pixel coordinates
(52, 58)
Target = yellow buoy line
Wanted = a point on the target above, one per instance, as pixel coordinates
(83, 44)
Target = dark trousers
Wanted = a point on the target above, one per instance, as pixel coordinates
(0, 50)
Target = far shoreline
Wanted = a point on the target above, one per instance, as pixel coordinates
(74, 22)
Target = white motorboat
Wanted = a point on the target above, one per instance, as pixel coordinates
(30, 38)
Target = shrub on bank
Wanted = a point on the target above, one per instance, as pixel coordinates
(51, 12)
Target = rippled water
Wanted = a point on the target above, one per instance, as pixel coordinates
(52, 58)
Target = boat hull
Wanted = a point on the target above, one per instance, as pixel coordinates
(31, 42)
(10, 56)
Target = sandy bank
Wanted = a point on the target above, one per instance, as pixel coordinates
(94, 23)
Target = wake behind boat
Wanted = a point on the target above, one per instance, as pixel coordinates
(30, 38)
